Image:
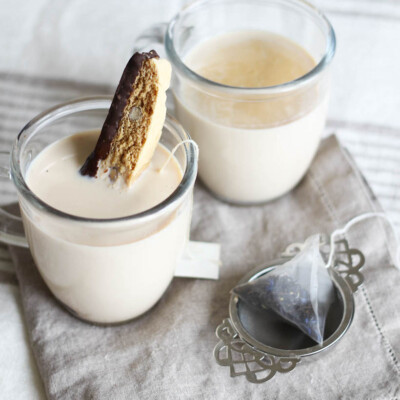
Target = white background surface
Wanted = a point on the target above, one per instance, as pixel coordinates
(90, 40)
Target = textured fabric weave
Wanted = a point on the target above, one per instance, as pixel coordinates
(168, 352)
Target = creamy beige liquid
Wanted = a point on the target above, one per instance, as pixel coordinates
(253, 147)
(54, 177)
(110, 271)
(250, 59)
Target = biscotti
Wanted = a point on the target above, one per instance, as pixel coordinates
(134, 122)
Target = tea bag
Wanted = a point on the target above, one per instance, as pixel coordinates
(300, 290)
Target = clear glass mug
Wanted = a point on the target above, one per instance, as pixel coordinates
(104, 271)
(255, 143)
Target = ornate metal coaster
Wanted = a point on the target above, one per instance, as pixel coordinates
(258, 343)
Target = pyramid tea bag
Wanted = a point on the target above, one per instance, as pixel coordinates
(300, 290)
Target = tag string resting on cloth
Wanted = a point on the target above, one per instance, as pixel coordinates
(356, 220)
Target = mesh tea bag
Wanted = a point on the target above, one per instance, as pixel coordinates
(301, 290)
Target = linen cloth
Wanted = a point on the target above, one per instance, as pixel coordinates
(167, 353)
(88, 40)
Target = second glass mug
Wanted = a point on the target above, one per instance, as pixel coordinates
(103, 270)
(256, 143)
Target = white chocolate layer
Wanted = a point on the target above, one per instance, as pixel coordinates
(163, 68)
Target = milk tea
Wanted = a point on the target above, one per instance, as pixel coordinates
(254, 147)
(104, 271)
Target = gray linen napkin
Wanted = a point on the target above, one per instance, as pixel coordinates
(167, 353)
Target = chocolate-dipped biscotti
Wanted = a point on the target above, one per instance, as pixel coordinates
(134, 122)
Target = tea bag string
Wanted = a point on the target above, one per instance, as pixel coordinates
(356, 220)
(171, 154)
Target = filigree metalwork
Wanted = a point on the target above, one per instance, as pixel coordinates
(243, 359)
(259, 367)
(348, 263)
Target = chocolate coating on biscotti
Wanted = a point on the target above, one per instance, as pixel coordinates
(111, 124)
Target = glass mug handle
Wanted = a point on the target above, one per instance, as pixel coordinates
(11, 228)
(153, 36)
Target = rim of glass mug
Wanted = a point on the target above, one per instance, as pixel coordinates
(268, 90)
(88, 104)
